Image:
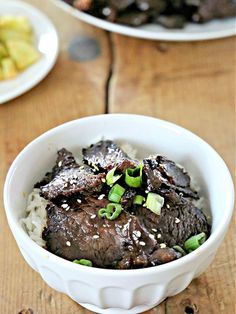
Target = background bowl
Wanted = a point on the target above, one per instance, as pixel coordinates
(217, 28)
(46, 41)
(120, 291)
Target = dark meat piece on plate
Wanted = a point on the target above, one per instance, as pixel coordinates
(154, 5)
(122, 243)
(175, 224)
(121, 4)
(72, 181)
(171, 21)
(106, 155)
(163, 175)
(65, 160)
(210, 9)
(133, 18)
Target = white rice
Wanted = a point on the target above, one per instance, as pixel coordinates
(129, 150)
(35, 220)
(36, 215)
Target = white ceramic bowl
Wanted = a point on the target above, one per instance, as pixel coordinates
(120, 291)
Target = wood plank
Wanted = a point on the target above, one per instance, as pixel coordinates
(72, 90)
(191, 84)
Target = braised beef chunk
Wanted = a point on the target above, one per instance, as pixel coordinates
(164, 176)
(135, 237)
(106, 155)
(71, 181)
(65, 160)
(175, 224)
(122, 243)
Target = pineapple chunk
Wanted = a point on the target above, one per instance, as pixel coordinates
(23, 53)
(3, 51)
(9, 69)
(6, 34)
(18, 23)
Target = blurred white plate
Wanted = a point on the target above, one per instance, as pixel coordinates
(46, 41)
(192, 32)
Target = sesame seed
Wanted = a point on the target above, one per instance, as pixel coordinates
(154, 230)
(153, 263)
(181, 194)
(177, 220)
(93, 216)
(96, 236)
(106, 11)
(100, 197)
(59, 164)
(167, 205)
(103, 180)
(159, 236)
(137, 233)
(146, 191)
(151, 236)
(142, 243)
(79, 201)
(68, 243)
(64, 206)
(162, 245)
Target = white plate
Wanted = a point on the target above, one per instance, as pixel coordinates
(192, 32)
(46, 41)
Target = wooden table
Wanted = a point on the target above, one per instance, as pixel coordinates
(191, 84)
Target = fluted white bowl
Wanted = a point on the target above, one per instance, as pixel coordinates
(120, 291)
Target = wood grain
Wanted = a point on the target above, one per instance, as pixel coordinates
(192, 84)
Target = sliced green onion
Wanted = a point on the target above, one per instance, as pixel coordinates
(138, 200)
(84, 262)
(179, 249)
(194, 242)
(111, 212)
(116, 193)
(133, 177)
(154, 203)
(111, 178)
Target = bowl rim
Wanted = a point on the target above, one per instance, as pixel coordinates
(215, 237)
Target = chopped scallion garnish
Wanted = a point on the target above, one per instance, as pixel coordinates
(111, 212)
(133, 177)
(179, 249)
(111, 178)
(116, 193)
(83, 261)
(154, 203)
(194, 242)
(138, 200)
